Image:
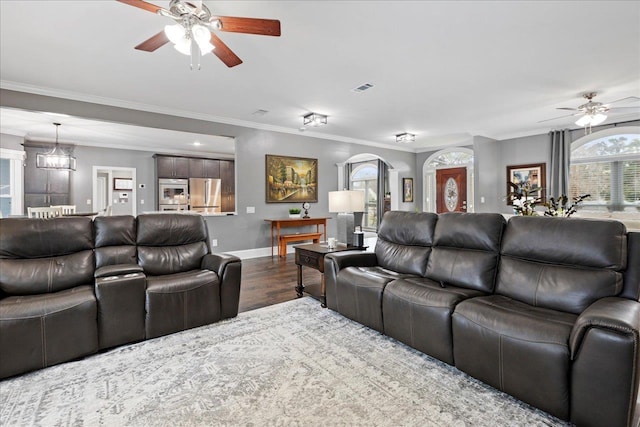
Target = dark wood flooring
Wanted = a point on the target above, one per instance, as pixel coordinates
(271, 280)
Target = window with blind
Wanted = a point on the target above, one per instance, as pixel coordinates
(608, 169)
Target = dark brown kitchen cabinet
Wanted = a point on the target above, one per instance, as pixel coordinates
(204, 168)
(228, 185)
(44, 187)
(172, 167)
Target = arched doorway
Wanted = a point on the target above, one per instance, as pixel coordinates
(448, 181)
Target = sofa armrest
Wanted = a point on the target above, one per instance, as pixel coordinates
(352, 259)
(605, 355)
(616, 314)
(117, 270)
(229, 269)
(334, 262)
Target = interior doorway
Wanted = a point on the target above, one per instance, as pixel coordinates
(110, 200)
(451, 193)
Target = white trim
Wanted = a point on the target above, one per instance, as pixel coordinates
(16, 178)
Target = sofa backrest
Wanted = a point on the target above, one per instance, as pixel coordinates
(562, 263)
(171, 243)
(115, 240)
(39, 256)
(466, 250)
(405, 240)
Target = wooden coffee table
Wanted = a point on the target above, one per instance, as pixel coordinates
(312, 256)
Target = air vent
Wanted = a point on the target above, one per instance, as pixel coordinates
(362, 88)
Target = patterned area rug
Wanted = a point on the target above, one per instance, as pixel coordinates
(292, 364)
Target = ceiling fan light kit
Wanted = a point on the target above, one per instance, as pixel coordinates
(193, 33)
(314, 119)
(405, 138)
(591, 119)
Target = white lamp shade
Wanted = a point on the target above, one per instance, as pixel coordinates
(346, 201)
(202, 36)
(175, 33)
(591, 119)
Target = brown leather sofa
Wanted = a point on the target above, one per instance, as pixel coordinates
(70, 287)
(545, 309)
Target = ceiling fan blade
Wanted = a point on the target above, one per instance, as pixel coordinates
(223, 52)
(556, 118)
(263, 27)
(624, 108)
(154, 42)
(628, 99)
(567, 108)
(142, 5)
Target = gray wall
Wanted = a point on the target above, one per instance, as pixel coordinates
(238, 232)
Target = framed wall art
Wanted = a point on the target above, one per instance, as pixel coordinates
(291, 179)
(123, 184)
(407, 189)
(527, 177)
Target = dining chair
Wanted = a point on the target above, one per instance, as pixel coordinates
(66, 209)
(50, 212)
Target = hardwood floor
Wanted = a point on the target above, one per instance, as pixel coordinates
(271, 280)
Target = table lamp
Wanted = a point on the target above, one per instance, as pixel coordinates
(345, 203)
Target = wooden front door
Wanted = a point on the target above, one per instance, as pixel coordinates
(451, 190)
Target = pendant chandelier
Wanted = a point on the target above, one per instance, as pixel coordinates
(56, 159)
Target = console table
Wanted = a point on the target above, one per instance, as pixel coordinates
(312, 256)
(277, 224)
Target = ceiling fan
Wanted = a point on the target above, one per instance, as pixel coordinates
(193, 34)
(592, 112)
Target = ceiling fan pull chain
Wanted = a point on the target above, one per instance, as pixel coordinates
(195, 54)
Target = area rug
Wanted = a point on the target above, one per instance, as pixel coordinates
(291, 364)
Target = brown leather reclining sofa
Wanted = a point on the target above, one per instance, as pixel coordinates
(70, 287)
(545, 309)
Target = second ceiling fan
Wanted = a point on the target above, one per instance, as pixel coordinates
(193, 32)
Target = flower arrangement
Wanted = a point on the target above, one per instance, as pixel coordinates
(522, 197)
(294, 212)
(561, 207)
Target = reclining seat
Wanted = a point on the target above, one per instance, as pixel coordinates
(47, 306)
(120, 283)
(463, 264)
(183, 282)
(402, 250)
(518, 340)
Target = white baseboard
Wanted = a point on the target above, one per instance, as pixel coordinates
(263, 252)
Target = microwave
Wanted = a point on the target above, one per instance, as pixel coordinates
(173, 191)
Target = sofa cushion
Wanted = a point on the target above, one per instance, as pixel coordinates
(519, 349)
(41, 238)
(405, 240)
(465, 250)
(175, 302)
(562, 263)
(417, 311)
(42, 330)
(359, 294)
(115, 240)
(43, 275)
(115, 230)
(170, 229)
(158, 260)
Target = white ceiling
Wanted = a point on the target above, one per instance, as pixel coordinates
(444, 70)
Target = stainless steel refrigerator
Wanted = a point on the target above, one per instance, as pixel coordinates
(204, 194)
